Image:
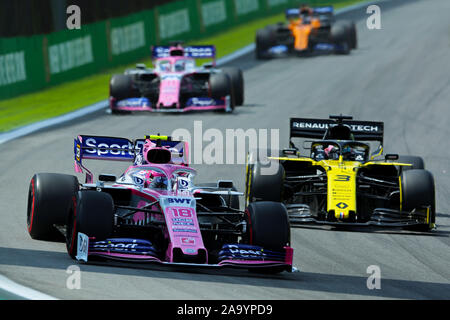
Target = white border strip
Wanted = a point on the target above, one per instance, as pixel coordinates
(21, 291)
(23, 131)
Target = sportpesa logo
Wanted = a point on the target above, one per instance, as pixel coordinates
(104, 148)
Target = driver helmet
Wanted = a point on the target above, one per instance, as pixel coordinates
(180, 66)
(332, 152)
(158, 182)
(305, 11)
(164, 67)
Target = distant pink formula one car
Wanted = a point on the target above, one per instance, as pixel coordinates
(154, 213)
(176, 84)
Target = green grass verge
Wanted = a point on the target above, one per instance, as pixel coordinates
(67, 97)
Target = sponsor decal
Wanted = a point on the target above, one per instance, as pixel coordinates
(183, 183)
(324, 126)
(203, 102)
(175, 229)
(127, 38)
(189, 52)
(246, 6)
(78, 152)
(324, 47)
(274, 3)
(179, 200)
(121, 246)
(12, 68)
(187, 240)
(71, 54)
(134, 102)
(214, 12)
(278, 49)
(174, 23)
(181, 220)
(328, 9)
(124, 245)
(342, 205)
(110, 147)
(138, 181)
(183, 224)
(83, 247)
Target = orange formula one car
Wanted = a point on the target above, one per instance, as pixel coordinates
(308, 31)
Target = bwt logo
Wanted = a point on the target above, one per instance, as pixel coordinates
(179, 200)
(73, 22)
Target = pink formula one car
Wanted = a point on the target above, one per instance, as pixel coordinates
(153, 213)
(176, 84)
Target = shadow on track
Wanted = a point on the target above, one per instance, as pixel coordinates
(309, 281)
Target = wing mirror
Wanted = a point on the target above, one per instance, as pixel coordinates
(107, 178)
(391, 157)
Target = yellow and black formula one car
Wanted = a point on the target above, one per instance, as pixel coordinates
(340, 182)
(308, 31)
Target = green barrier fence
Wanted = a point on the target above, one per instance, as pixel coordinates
(32, 63)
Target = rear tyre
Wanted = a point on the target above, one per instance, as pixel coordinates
(49, 197)
(237, 81)
(91, 213)
(417, 162)
(418, 191)
(268, 226)
(340, 35)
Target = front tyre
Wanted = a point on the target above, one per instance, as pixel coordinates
(418, 192)
(268, 226)
(237, 82)
(91, 213)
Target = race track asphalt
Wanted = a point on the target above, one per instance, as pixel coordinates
(399, 75)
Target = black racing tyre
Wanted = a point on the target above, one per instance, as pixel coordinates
(265, 39)
(418, 191)
(340, 35)
(417, 162)
(121, 87)
(91, 213)
(353, 36)
(49, 197)
(268, 225)
(237, 81)
(220, 86)
(261, 186)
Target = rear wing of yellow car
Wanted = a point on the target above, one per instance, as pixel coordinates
(320, 129)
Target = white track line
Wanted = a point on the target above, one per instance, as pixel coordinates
(22, 291)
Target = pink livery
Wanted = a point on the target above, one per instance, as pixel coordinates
(155, 212)
(176, 84)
